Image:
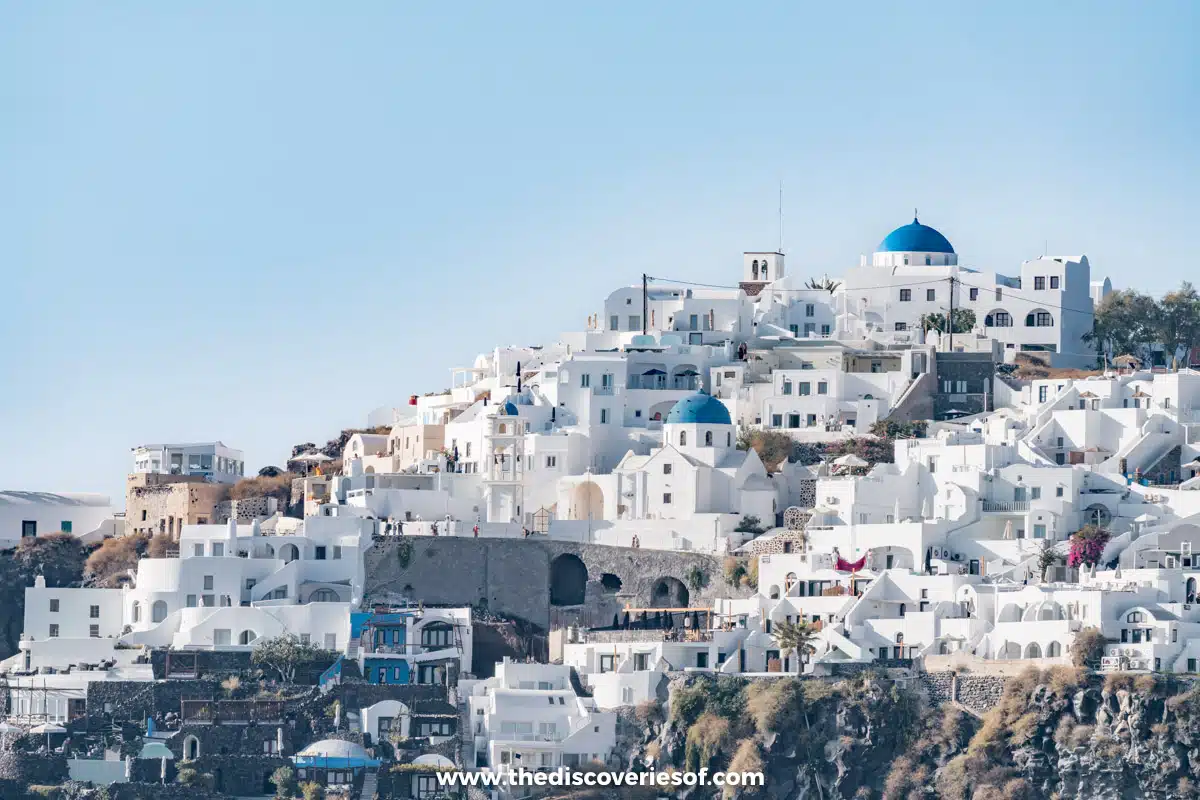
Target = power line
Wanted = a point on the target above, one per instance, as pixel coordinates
(1005, 290)
(806, 289)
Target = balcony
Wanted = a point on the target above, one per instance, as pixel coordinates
(603, 391)
(1006, 506)
(688, 383)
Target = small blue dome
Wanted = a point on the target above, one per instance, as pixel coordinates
(510, 409)
(699, 409)
(915, 238)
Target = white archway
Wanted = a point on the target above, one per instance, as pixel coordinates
(191, 748)
(587, 501)
(1033, 650)
(289, 553)
(247, 637)
(158, 611)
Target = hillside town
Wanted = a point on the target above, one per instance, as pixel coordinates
(910, 468)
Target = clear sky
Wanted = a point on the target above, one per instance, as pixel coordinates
(255, 222)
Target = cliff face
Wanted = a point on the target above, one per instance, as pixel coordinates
(1060, 733)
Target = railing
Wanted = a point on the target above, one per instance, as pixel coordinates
(1006, 506)
(529, 737)
(231, 711)
(602, 390)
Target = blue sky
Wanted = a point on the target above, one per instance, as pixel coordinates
(256, 222)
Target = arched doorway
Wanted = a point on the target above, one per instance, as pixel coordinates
(191, 748)
(1098, 515)
(289, 553)
(669, 592)
(610, 582)
(1033, 650)
(568, 580)
(1190, 592)
(158, 611)
(587, 501)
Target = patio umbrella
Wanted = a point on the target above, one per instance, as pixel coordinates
(851, 461)
(48, 728)
(1008, 529)
(5, 730)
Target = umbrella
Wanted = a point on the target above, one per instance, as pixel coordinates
(654, 372)
(5, 730)
(155, 749)
(851, 460)
(312, 458)
(1008, 529)
(48, 728)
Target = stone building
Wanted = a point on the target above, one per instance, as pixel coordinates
(245, 510)
(157, 503)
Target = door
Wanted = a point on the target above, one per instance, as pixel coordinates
(974, 567)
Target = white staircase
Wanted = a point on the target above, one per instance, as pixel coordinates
(370, 785)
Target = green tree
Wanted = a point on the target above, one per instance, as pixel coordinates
(750, 524)
(1047, 558)
(284, 779)
(964, 321)
(1178, 320)
(1125, 322)
(795, 636)
(284, 654)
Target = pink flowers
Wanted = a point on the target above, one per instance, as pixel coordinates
(1087, 545)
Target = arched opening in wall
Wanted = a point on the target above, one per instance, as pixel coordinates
(323, 596)
(1011, 651)
(158, 611)
(1054, 650)
(247, 637)
(669, 592)
(1190, 590)
(1098, 515)
(1033, 650)
(137, 611)
(587, 501)
(773, 593)
(191, 748)
(568, 580)
(789, 581)
(610, 582)
(289, 553)
(943, 648)
(1010, 613)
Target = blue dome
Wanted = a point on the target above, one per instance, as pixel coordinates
(915, 238)
(699, 409)
(509, 409)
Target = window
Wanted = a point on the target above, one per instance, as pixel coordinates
(320, 553)
(641, 662)
(436, 635)
(777, 420)
(197, 549)
(54, 606)
(974, 294)
(250, 582)
(53, 631)
(998, 319)
(1039, 283)
(1035, 493)
(221, 637)
(94, 631)
(787, 386)
(208, 582)
(826, 330)
(999, 294)
(585, 380)
(1039, 531)
(604, 416)
(191, 601)
(805, 388)
(810, 310)
(793, 421)
(270, 746)
(438, 728)
(607, 662)
(901, 326)
(931, 294)
(29, 527)
(683, 438)
(1054, 281)
(1042, 391)
(960, 387)
(667, 469)
(708, 438)
(427, 674)
(905, 295)
(331, 641)
(94, 612)
(614, 323)
(822, 387)
(65, 526)
(810, 327)
(666, 498)
(1058, 491)
(218, 549)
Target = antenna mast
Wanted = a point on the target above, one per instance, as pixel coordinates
(781, 217)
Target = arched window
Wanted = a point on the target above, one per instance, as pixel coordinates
(191, 748)
(1136, 616)
(437, 635)
(773, 593)
(137, 611)
(158, 611)
(789, 581)
(754, 268)
(1033, 650)
(764, 271)
(1053, 650)
(323, 596)
(998, 319)
(683, 438)
(708, 438)
(1039, 319)
(246, 637)
(899, 638)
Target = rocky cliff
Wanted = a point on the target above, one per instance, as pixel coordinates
(1059, 733)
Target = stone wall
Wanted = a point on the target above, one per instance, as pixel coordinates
(133, 701)
(785, 541)
(30, 768)
(209, 663)
(159, 503)
(245, 510)
(512, 577)
(977, 692)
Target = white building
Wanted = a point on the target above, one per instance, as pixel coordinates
(211, 460)
(26, 514)
(529, 717)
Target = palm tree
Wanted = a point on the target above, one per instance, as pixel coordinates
(797, 636)
(826, 283)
